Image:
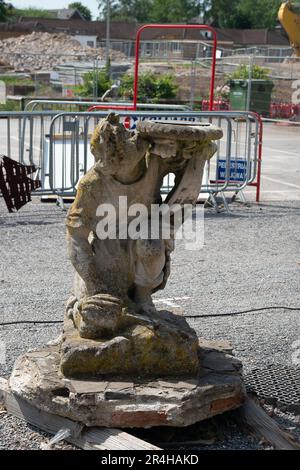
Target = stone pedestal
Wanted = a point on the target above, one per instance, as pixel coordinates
(156, 345)
(134, 402)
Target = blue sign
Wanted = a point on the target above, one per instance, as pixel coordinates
(132, 121)
(238, 170)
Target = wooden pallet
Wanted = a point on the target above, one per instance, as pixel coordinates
(265, 427)
(81, 436)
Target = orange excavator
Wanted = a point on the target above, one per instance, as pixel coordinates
(289, 17)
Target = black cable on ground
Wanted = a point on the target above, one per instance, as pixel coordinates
(232, 314)
(34, 322)
(213, 315)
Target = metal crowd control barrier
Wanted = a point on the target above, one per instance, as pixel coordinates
(235, 165)
(59, 145)
(54, 105)
(22, 135)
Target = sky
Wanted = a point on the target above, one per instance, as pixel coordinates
(55, 4)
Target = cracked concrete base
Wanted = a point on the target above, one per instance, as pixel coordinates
(132, 403)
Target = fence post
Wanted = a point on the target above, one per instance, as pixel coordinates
(193, 80)
(250, 83)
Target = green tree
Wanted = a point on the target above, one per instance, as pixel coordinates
(93, 81)
(144, 11)
(174, 11)
(260, 13)
(243, 13)
(3, 10)
(152, 87)
(31, 12)
(85, 11)
(226, 13)
(243, 72)
(126, 10)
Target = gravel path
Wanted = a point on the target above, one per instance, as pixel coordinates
(250, 259)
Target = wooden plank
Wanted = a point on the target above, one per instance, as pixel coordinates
(115, 439)
(264, 426)
(81, 436)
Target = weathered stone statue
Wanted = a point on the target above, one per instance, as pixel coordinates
(120, 361)
(132, 166)
(116, 277)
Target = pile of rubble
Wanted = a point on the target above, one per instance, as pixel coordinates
(44, 51)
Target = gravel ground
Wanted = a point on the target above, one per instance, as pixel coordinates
(250, 259)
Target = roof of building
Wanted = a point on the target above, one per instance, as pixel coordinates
(250, 37)
(127, 31)
(119, 30)
(67, 14)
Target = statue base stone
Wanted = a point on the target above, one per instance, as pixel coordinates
(122, 403)
(150, 345)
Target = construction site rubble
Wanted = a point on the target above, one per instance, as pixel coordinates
(44, 51)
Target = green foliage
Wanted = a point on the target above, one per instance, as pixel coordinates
(244, 14)
(165, 87)
(85, 11)
(12, 12)
(3, 11)
(226, 13)
(30, 12)
(15, 80)
(152, 88)
(6, 11)
(92, 81)
(126, 10)
(242, 73)
(10, 105)
(147, 11)
(261, 13)
(172, 11)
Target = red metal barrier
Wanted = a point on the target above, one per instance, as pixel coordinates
(133, 107)
(296, 109)
(218, 105)
(284, 110)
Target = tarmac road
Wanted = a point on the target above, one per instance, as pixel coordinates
(280, 163)
(250, 259)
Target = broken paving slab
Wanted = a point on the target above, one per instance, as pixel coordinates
(119, 403)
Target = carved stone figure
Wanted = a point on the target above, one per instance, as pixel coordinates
(121, 362)
(116, 277)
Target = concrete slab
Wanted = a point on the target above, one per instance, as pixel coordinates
(144, 403)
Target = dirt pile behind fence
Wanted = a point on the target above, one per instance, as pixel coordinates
(44, 51)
